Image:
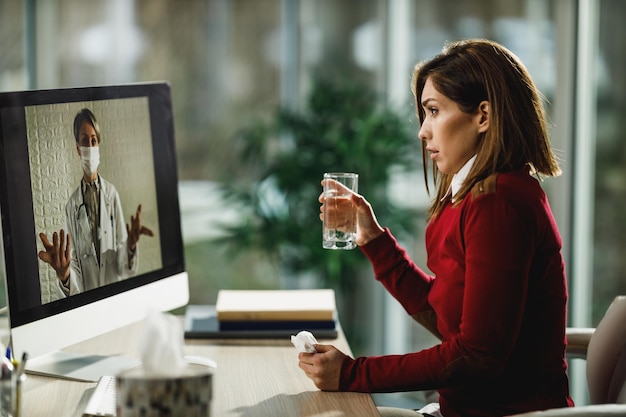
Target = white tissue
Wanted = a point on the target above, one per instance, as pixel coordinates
(161, 345)
(304, 342)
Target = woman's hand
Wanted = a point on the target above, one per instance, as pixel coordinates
(57, 253)
(367, 225)
(323, 367)
(136, 229)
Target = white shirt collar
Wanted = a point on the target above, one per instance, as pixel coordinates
(459, 178)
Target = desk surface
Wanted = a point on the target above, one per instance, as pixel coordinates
(255, 378)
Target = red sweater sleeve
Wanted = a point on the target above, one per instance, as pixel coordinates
(400, 276)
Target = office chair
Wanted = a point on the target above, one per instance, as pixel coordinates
(605, 351)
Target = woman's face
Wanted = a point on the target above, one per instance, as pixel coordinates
(87, 136)
(88, 151)
(451, 136)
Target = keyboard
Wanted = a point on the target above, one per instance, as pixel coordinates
(102, 400)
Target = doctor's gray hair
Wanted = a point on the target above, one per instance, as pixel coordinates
(85, 115)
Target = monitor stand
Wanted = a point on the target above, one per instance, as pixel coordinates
(79, 367)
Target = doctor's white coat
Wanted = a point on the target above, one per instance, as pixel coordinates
(85, 273)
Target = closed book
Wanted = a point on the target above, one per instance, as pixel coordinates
(201, 323)
(294, 325)
(276, 305)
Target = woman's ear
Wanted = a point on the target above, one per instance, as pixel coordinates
(483, 110)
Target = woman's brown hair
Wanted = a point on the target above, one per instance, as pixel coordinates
(469, 72)
(86, 115)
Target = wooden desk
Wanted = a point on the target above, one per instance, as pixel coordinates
(255, 378)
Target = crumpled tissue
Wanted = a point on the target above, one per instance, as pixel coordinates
(162, 345)
(304, 342)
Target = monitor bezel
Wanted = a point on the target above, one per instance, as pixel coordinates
(20, 248)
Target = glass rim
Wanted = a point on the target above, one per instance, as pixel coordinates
(341, 174)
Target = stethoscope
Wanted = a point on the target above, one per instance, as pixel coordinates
(85, 208)
(84, 222)
(84, 204)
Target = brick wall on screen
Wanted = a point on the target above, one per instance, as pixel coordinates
(126, 161)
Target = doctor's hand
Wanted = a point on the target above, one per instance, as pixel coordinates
(136, 230)
(57, 253)
(336, 208)
(323, 367)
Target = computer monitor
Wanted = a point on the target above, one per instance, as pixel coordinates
(42, 193)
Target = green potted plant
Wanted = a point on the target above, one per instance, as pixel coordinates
(343, 127)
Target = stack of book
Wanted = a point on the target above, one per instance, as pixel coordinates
(267, 313)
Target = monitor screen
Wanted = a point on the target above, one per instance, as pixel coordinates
(91, 236)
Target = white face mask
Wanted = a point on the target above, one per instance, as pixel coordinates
(90, 159)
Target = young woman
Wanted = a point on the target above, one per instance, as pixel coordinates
(497, 293)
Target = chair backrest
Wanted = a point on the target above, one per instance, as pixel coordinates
(606, 356)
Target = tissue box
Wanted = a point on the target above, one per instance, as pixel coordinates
(189, 394)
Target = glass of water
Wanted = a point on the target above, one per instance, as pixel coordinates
(339, 225)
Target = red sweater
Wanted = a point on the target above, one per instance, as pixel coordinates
(497, 299)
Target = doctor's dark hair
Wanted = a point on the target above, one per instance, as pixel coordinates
(85, 115)
(476, 70)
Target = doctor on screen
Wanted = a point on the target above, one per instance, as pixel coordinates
(98, 248)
